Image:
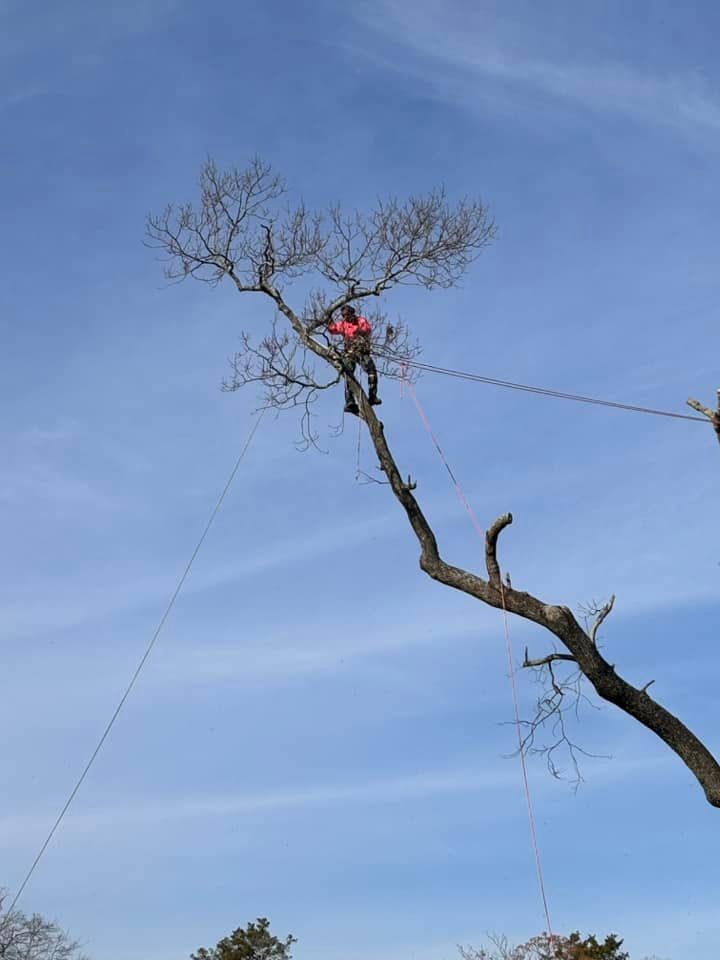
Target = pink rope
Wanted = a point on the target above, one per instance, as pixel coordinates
(508, 643)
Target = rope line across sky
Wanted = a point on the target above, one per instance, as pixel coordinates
(542, 391)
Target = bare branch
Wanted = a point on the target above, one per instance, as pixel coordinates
(550, 658)
(701, 408)
(368, 478)
(560, 696)
(712, 415)
(221, 237)
(601, 616)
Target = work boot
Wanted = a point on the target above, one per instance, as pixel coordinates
(352, 407)
(374, 400)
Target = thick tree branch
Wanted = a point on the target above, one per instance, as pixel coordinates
(602, 614)
(559, 620)
(491, 539)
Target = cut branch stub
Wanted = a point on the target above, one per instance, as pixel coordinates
(601, 616)
(550, 658)
(712, 415)
(491, 539)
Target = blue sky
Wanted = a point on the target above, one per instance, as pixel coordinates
(318, 735)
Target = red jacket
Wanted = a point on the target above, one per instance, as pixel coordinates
(350, 330)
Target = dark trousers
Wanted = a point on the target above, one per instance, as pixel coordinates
(352, 358)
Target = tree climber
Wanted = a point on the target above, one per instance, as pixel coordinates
(356, 332)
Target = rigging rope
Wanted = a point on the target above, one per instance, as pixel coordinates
(359, 440)
(141, 664)
(405, 383)
(542, 391)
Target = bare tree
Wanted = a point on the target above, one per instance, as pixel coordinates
(245, 230)
(24, 937)
(548, 946)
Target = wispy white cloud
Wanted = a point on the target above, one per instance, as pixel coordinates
(416, 786)
(37, 471)
(70, 604)
(419, 786)
(43, 484)
(15, 98)
(311, 651)
(465, 59)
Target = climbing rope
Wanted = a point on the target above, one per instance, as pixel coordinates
(357, 458)
(141, 664)
(406, 383)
